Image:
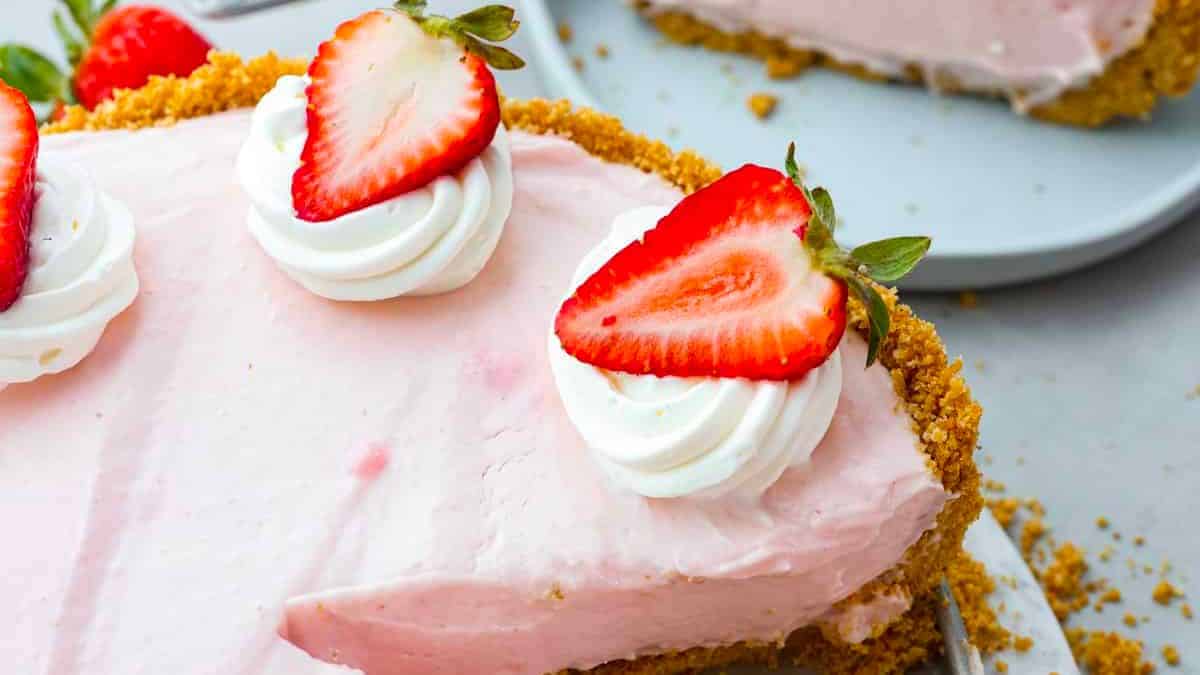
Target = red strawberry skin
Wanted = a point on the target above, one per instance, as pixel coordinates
(18, 175)
(722, 287)
(378, 126)
(132, 43)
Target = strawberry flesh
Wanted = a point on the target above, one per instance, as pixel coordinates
(723, 286)
(390, 109)
(18, 175)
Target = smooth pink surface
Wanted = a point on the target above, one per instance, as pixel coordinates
(400, 476)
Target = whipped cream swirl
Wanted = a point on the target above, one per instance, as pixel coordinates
(431, 240)
(700, 437)
(81, 276)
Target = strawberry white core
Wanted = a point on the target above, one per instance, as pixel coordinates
(398, 110)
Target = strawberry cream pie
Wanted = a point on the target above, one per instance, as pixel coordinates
(1081, 62)
(419, 381)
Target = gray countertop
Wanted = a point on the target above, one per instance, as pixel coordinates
(1091, 383)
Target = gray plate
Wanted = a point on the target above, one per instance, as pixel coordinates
(1005, 198)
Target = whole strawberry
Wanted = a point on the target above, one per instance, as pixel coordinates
(109, 48)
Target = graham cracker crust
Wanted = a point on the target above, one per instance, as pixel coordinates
(1166, 63)
(945, 418)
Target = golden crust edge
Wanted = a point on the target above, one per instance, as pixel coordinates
(945, 417)
(1164, 64)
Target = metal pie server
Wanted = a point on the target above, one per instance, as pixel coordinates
(961, 657)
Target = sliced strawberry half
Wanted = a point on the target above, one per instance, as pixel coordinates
(723, 286)
(742, 279)
(398, 99)
(18, 174)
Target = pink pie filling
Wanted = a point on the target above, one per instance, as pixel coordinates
(390, 486)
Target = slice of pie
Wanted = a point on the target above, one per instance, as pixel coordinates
(406, 433)
(1082, 62)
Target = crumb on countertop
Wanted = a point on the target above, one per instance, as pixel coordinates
(1064, 577)
(994, 486)
(1023, 644)
(1186, 611)
(1102, 523)
(1031, 533)
(1004, 510)
(1102, 653)
(565, 32)
(762, 104)
(968, 299)
(1165, 593)
(1001, 667)
(602, 51)
(577, 63)
(1171, 655)
(1063, 580)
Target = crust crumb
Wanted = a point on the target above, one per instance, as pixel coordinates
(762, 105)
(1165, 593)
(1104, 653)
(1171, 655)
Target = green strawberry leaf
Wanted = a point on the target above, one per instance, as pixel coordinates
(71, 42)
(106, 7)
(891, 259)
(81, 13)
(793, 169)
(494, 22)
(36, 76)
(883, 261)
(496, 56)
(822, 206)
(413, 8)
(879, 319)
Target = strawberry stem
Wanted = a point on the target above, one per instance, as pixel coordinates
(879, 261)
(476, 31)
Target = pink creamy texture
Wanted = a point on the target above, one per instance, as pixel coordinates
(393, 486)
(858, 622)
(1040, 47)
